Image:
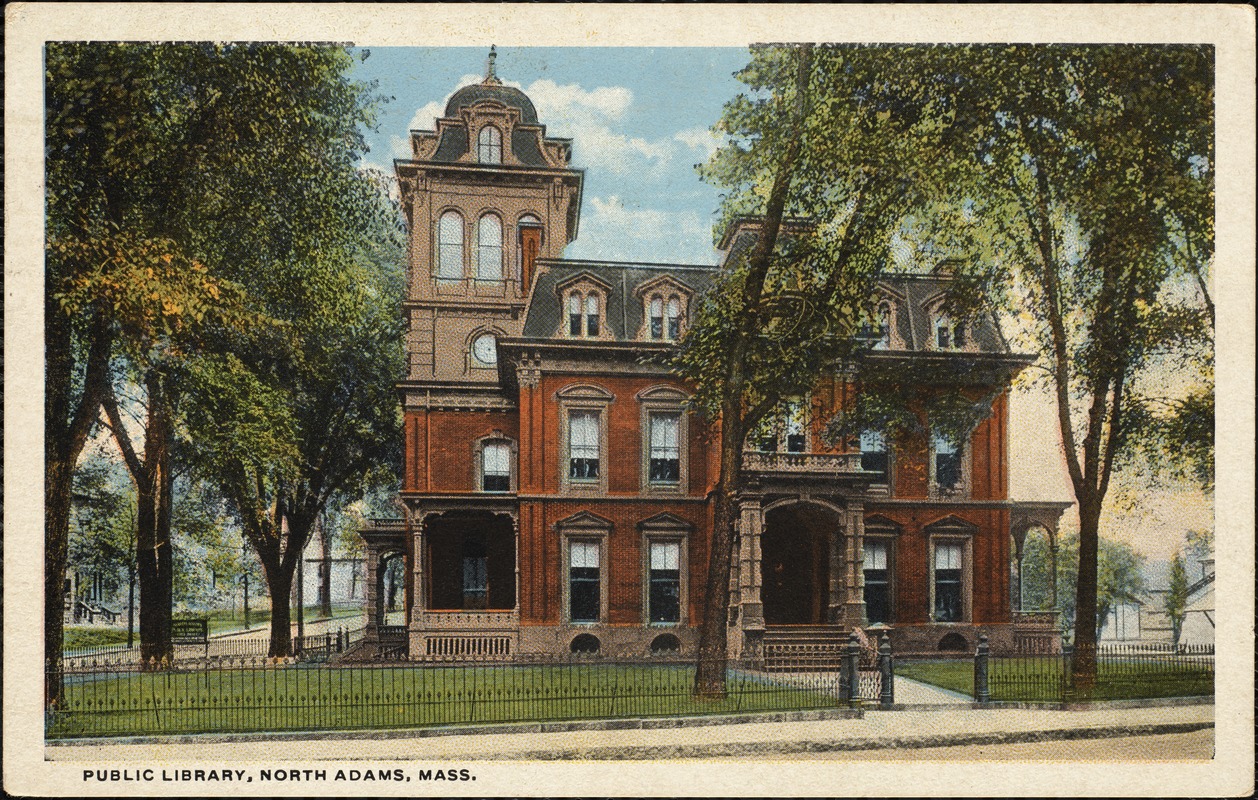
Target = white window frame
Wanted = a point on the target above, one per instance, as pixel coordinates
(583, 398)
(588, 529)
(887, 541)
(488, 259)
(962, 487)
(664, 400)
(443, 272)
(666, 529)
(489, 143)
(961, 536)
(478, 460)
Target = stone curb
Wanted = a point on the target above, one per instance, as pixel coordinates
(563, 726)
(716, 750)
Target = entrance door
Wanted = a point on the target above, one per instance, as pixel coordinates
(795, 564)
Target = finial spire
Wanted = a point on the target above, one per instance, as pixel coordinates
(490, 76)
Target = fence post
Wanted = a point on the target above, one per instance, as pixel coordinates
(851, 665)
(982, 693)
(887, 698)
(1067, 672)
(340, 647)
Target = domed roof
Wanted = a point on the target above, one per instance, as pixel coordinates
(507, 95)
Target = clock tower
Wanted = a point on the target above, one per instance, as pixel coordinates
(486, 194)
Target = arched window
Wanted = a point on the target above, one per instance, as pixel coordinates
(450, 246)
(948, 335)
(673, 318)
(496, 467)
(489, 248)
(591, 315)
(489, 145)
(883, 330)
(574, 314)
(657, 318)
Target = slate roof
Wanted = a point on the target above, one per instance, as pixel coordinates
(623, 314)
(914, 328)
(507, 95)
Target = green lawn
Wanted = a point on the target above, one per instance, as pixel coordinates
(1040, 680)
(79, 636)
(332, 698)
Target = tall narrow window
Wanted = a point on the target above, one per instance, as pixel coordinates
(657, 318)
(496, 467)
(947, 457)
(665, 464)
(874, 453)
(883, 328)
(948, 335)
(489, 145)
(591, 315)
(450, 246)
(574, 315)
(673, 319)
(664, 598)
(948, 602)
(877, 584)
(795, 424)
(475, 572)
(584, 590)
(583, 445)
(489, 249)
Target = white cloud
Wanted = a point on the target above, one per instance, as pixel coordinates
(702, 139)
(614, 231)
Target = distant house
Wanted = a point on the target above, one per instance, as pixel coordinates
(1198, 627)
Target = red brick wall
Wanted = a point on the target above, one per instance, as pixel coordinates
(440, 447)
(541, 577)
(989, 584)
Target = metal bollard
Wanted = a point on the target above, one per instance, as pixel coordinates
(887, 669)
(981, 691)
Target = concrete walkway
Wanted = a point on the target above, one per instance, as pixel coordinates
(876, 730)
(913, 693)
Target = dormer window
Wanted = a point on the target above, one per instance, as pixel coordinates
(591, 315)
(450, 246)
(664, 317)
(489, 145)
(949, 335)
(583, 314)
(489, 248)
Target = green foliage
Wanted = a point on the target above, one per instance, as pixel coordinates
(102, 524)
(1119, 575)
(1177, 596)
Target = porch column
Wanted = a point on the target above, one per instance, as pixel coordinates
(417, 604)
(750, 525)
(854, 574)
(1015, 578)
(372, 629)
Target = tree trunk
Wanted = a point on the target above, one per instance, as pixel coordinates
(325, 567)
(1083, 666)
(154, 559)
(67, 424)
(714, 626)
(280, 583)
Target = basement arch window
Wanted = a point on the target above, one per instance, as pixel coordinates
(489, 145)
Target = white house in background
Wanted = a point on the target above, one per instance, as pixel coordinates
(1198, 628)
(1123, 623)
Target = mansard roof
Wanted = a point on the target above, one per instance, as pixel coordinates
(622, 309)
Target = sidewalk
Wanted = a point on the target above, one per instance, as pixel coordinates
(909, 730)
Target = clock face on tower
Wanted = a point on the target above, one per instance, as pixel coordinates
(485, 350)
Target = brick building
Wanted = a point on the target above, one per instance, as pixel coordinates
(559, 494)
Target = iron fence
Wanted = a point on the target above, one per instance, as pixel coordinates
(252, 693)
(1126, 671)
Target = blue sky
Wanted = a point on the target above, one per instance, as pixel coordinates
(639, 119)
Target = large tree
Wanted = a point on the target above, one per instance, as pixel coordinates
(1087, 194)
(827, 165)
(177, 174)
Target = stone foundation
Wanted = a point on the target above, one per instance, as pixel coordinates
(614, 641)
(958, 640)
